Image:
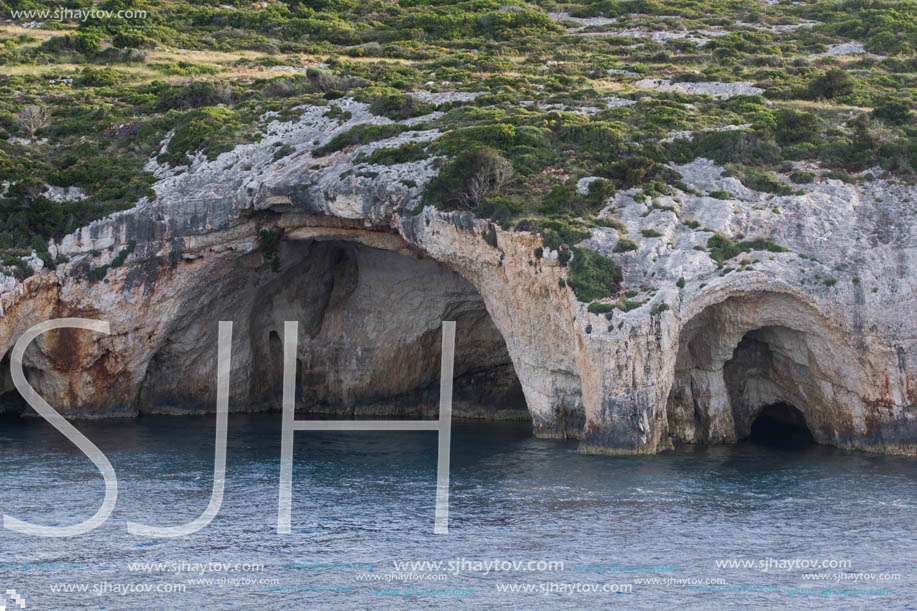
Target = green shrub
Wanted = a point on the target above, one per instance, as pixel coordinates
(834, 83)
(892, 110)
(499, 209)
(593, 276)
(720, 248)
(269, 243)
(406, 153)
(793, 127)
(195, 95)
(680, 283)
(841, 175)
(887, 43)
(465, 181)
(87, 42)
(183, 68)
(283, 150)
(500, 136)
(729, 146)
(132, 39)
(561, 200)
(631, 171)
(556, 234)
(360, 134)
(650, 233)
(765, 181)
(101, 77)
(625, 245)
(611, 222)
(97, 274)
(601, 308)
(398, 106)
(802, 177)
(212, 130)
(490, 236)
(598, 192)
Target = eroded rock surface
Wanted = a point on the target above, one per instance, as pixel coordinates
(827, 326)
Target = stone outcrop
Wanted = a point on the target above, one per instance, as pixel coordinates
(826, 326)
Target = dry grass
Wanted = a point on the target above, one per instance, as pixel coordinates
(15, 30)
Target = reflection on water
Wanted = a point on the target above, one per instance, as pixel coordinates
(369, 497)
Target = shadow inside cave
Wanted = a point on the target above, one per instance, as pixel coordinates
(763, 367)
(781, 425)
(11, 402)
(369, 337)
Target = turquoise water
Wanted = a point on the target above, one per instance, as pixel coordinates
(368, 499)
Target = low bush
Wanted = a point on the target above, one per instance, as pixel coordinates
(195, 95)
(212, 130)
(360, 134)
(398, 106)
(467, 179)
(101, 77)
(834, 83)
(802, 177)
(793, 127)
(601, 308)
(406, 153)
(593, 276)
(720, 248)
(892, 110)
(765, 181)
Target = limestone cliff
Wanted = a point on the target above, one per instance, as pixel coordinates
(827, 325)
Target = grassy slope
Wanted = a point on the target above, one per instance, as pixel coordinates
(114, 88)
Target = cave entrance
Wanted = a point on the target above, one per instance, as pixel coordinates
(765, 381)
(369, 337)
(740, 357)
(781, 425)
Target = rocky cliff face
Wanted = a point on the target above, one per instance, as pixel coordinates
(827, 326)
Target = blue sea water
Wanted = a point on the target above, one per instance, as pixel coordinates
(367, 499)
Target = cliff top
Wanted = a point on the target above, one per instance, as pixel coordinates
(545, 114)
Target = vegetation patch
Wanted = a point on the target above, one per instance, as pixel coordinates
(360, 134)
(406, 153)
(593, 276)
(556, 108)
(720, 248)
(211, 130)
(764, 181)
(269, 243)
(97, 274)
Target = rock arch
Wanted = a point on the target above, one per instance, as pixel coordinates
(750, 350)
(369, 311)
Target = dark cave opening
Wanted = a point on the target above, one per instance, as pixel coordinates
(738, 356)
(369, 345)
(11, 402)
(781, 425)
